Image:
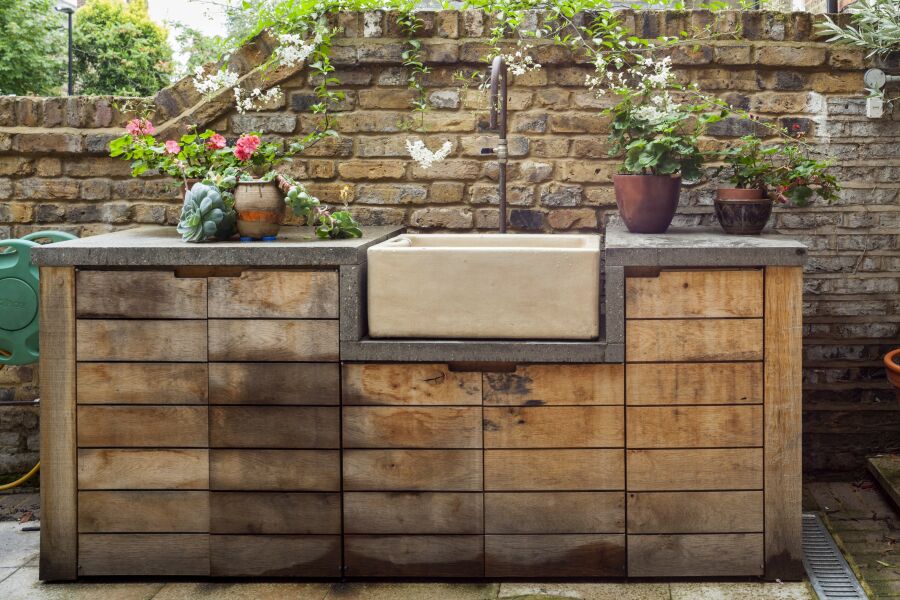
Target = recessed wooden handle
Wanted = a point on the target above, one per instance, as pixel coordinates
(482, 367)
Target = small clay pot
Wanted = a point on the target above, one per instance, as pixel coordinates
(260, 209)
(892, 366)
(647, 203)
(742, 211)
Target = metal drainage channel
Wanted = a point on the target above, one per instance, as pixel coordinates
(828, 572)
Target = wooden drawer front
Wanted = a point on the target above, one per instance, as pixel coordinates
(699, 340)
(554, 512)
(139, 383)
(708, 469)
(409, 384)
(275, 555)
(695, 512)
(275, 383)
(272, 340)
(692, 294)
(413, 512)
(702, 555)
(139, 295)
(275, 513)
(142, 426)
(694, 383)
(414, 556)
(275, 295)
(129, 469)
(537, 470)
(143, 512)
(537, 385)
(275, 470)
(116, 340)
(554, 555)
(554, 427)
(274, 427)
(695, 426)
(411, 427)
(143, 554)
(413, 470)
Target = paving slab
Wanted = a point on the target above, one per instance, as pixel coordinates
(24, 585)
(413, 591)
(584, 591)
(741, 591)
(6, 572)
(243, 591)
(17, 547)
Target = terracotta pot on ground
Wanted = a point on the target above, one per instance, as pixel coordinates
(892, 366)
(260, 209)
(742, 211)
(647, 203)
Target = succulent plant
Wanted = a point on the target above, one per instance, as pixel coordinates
(205, 216)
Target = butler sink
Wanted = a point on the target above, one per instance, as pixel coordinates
(485, 286)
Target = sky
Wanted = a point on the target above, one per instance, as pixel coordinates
(202, 15)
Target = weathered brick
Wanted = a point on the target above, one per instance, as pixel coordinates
(581, 171)
(531, 220)
(304, 101)
(440, 52)
(391, 99)
(42, 142)
(447, 24)
(15, 165)
(473, 145)
(530, 123)
(95, 189)
(442, 218)
(391, 194)
(263, 123)
(48, 189)
(579, 123)
(535, 172)
(445, 192)
(444, 99)
(556, 194)
(47, 167)
(16, 212)
(372, 169)
(454, 169)
(473, 23)
(380, 53)
(733, 54)
(777, 102)
(516, 194)
(376, 215)
(777, 55)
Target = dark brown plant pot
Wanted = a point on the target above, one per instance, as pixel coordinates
(742, 212)
(892, 366)
(647, 203)
(260, 209)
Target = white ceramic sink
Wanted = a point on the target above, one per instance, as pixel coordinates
(485, 286)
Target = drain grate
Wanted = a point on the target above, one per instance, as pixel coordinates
(828, 572)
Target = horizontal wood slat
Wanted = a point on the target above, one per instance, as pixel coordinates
(261, 294)
(139, 383)
(275, 556)
(142, 426)
(709, 469)
(139, 295)
(694, 383)
(535, 470)
(414, 556)
(275, 513)
(272, 340)
(413, 512)
(537, 385)
(702, 555)
(274, 427)
(143, 554)
(152, 341)
(275, 383)
(275, 470)
(409, 384)
(413, 470)
(132, 469)
(689, 294)
(695, 426)
(411, 427)
(554, 555)
(699, 340)
(695, 512)
(143, 512)
(554, 512)
(554, 427)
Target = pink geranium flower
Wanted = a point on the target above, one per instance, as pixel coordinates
(139, 127)
(172, 147)
(246, 146)
(216, 142)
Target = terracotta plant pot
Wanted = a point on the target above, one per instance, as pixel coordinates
(260, 209)
(742, 211)
(647, 203)
(892, 366)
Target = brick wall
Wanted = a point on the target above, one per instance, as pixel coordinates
(54, 174)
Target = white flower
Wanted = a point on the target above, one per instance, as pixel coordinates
(213, 82)
(520, 63)
(255, 99)
(425, 157)
(292, 49)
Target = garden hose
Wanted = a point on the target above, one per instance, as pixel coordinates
(22, 479)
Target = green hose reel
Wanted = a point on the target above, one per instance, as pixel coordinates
(19, 293)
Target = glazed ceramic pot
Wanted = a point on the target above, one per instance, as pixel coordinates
(892, 366)
(742, 211)
(647, 203)
(260, 209)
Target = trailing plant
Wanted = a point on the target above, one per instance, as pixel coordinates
(874, 27)
(328, 223)
(748, 162)
(414, 59)
(206, 216)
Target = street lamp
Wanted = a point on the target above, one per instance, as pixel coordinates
(68, 7)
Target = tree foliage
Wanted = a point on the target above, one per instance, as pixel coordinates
(119, 50)
(32, 42)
